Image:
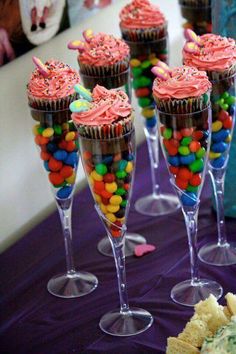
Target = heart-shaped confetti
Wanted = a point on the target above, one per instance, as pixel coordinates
(140, 250)
(41, 67)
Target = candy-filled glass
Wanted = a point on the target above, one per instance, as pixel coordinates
(223, 99)
(119, 81)
(185, 141)
(109, 165)
(145, 55)
(56, 139)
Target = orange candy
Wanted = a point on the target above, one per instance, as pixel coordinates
(70, 146)
(187, 131)
(195, 180)
(66, 171)
(194, 146)
(184, 174)
(228, 123)
(182, 184)
(45, 156)
(87, 155)
(173, 170)
(54, 165)
(177, 135)
(126, 186)
(99, 185)
(116, 233)
(106, 195)
(55, 178)
(41, 140)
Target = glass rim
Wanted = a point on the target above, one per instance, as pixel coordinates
(127, 71)
(51, 112)
(148, 42)
(223, 79)
(185, 114)
(196, 7)
(106, 139)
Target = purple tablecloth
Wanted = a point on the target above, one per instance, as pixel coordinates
(35, 322)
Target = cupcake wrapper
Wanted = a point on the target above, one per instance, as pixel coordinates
(106, 70)
(145, 34)
(221, 75)
(114, 130)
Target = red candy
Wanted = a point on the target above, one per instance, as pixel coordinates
(126, 186)
(142, 92)
(181, 183)
(173, 170)
(228, 123)
(109, 178)
(66, 171)
(45, 156)
(87, 155)
(195, 180)
(54, 165)
(187, 131)
(194, 146)
(177, 135)
(184, 173)
(174, 142)
(223, 115)
(63, 145)
(115, 233)
(55, 178)
(105, 201)
(70, 146)
(105, 194)
(41, 140)
(99, 185)
(197, 135)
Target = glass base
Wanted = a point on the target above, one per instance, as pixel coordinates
(154, 206)
(213, 253)
(185, 293)
(70, 286)
(131, 240)
(131, 323)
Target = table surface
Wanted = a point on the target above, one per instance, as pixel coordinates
(35, 322)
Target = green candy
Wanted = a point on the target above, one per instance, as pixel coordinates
(225, 95)
(196, 166)
(146, 64)
(205, 98)
(101, 169)
(136, 71)
(144, 102)
(123, 203)
(192, 189)
(120, 191)
(184, 150)
(167, 134)
(77, 143)
(186, 141)
(122, 165)
(141, 81)
(224, 106)
(200, 153)
(230, 100)
(57, 129)
(121, 174)
(40, 130)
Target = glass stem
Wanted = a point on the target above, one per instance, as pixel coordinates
(153, 150)
(118, 250)
(218, 180)
(191, 219)
(65, 216)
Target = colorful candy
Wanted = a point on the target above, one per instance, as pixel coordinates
(83, 92)
(88, 35)
(41, 67)
(76, 45)
(191, 47)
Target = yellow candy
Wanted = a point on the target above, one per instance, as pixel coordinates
(103, 208)
(70, 136)
(97, 198)
(111, 187)
(216, 126)
(129, 167)
(96, 176)
(154, 61)
(48, 132)
(122, 220)
(214, 155)
(115, 200)
(111, 217)
(134, 63)
(71, 179)
(65, 126)
(35, 129)
(91, 181)
(228, 139)
(152, 56)
(112, 208)
(148, 113)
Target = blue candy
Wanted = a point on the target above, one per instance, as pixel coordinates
(60, 155)
(188, 159)
(128, 157)
(51, 147)
(221, 135)
(232, 109)
(219, 147)
(188, 199)
(46, 166)
(205, 134)
(72, 159)
(107, 160)
(64, 192)
(151, 122)
(173, 160)
(218, 163)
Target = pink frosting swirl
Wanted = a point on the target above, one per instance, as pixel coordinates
(107, 106)
(59, 83)
(184, 82)
(104, 49)
(141, 14)
(216, 53)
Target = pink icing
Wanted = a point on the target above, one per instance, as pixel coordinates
(104, 49)
(216, 53)
(184, 82)
(59, 83)
(106, 107)
(141, 14)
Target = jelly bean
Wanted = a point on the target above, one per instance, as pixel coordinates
(194, 146)
(70, 136)
(174, 142)
(55, 165)
(174, 160)
(62, 145)
(66, 171)
(151, 122)
(228, 123)
(192, 189)
(105, 194)
(101, 169)
(223, 115)
(120, 191)
(174, 170)
(115, 200)
(216, 126)
(46, 166)
(197, 166)
(60, 155)
(189, 199)
(41, 140)
(55, 178)
(124, 203)
(144, 101)
(48, 132)
(232, 110)
(65, 126)
(111, 187)
(103, 208)
(188, 159)
(87, 155)
(200, 153)
(45, 156)
(135, 63)
(184, 150)
(172, 150)
(99, 185)
(57, 129)
(197, 135)
(184, 173)
(154, 61)
(96, 176)
(219, 147)
(220, 136)
(70, 146)
(167, 133)
(122, 165)
(71, 179)
(205, 98)
(141, 81)
(142, 92)
(177, 135)
(35, 129)
(146, 64)
(218, 163)
(214, 155)
(110, 217)
(181, 183)
(121, 213)
(148, 113)
(230, 100)
(109, 178)
(129, 167)
(105, 201)
(186, 131)
(116, 233)
(186, 141)
(126, 186)
(225, 95)
(112, 208)
(195, 180)
(228, 139)
(136, 72)
(121, 174)
(64, 192)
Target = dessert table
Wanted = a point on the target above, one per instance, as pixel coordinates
(35, 322)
